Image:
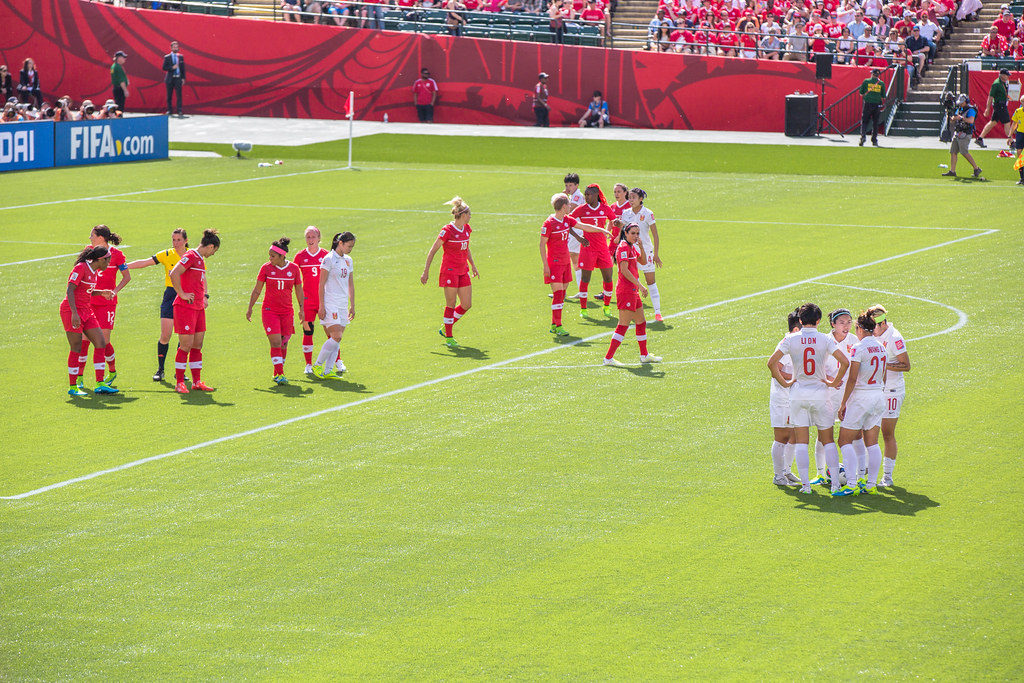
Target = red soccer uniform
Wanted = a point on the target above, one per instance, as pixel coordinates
(193, 280)
(106, 278)
(84, 279)
(619, 208)
(279, 281)
(626, 293)
(557, 232)
(595, 254)
(309, 266)
(424, 89)
(455, 258)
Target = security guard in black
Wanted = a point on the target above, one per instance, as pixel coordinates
(871, 90)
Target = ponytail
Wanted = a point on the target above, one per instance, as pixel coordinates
(459, 207)
(639, 193)
(282, 244)
(91, 254)
(210, 237)
(342, 237)
(104, 232)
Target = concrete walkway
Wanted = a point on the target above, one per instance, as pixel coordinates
(269, 131)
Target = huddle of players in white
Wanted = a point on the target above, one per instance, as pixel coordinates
(819, 378)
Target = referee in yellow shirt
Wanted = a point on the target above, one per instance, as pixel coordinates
(168, 258)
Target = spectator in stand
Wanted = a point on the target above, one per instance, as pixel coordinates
(119, 79)
(904, 25)
(728, 43)
(596, 113)
(659, 31)
(771, 46)
(1005, 24)
(533, 6)
(880, 29)
(891, 43)
(796, 43)
(846, 47)
(748, 42)
(1016, 51)
(819, 46)
(424, 96)
(374, 13)
(901, 57)
(995, 107)
(872, 9)
(593, 15)
(455, 20)
(993, 45)
(932, 33)
(541, 109)
(6, 84)
(291, 9)
(858, 28)
(342, 12)
(556, 19)
(28, 83)
(918, 50)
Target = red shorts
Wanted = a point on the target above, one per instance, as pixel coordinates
(88, 318)
(105, 313)
(189, 320)
(591, 259)
(279, 323)
(561, 271)
(310, 311)
(629, 300)
(448, 278)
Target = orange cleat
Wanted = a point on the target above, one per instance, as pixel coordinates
(658, 318)
(181, 388)
(199, 385)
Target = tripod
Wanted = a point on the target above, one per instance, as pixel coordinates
(823, 119)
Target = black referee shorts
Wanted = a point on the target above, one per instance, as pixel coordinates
(167, 305)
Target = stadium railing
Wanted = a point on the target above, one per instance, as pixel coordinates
(845, 112)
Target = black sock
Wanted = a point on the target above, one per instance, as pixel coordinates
(161, 354)
(1021, 171)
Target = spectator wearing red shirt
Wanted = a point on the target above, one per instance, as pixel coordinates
(1005, 24)
(748, 43)
(727, 43)
(594, 15)
(994, 45)
(905, 25)
(424, 96)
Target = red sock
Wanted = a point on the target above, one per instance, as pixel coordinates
(180, 363)
(277, 360)
(449, 320)
(99, 363)
(607, 293)
(73, 367)
(83, 357)
(620, 331)
(641, 337)
(195, 363)
(110, 357)
(557, 301)
(583, 294)
(458, 313)
(307, 347)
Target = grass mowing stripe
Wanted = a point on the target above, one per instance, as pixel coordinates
(961, 316)
(466, 373)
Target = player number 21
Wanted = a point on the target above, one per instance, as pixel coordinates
(809, 361)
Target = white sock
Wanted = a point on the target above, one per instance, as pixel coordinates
(851, 461)
(579, 276)
(789, 454)
(328, 354)
(874, 462)
(819, 456)
(862, 456)
(655, 297)
(803, 463)
(778, 459)
(832, 458)
(887, 465)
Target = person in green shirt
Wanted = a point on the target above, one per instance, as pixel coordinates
(119, 79)
(995, 107)
(871, 90)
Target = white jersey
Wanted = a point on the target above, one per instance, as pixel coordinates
(894, 345)
(645, 219)
(846, 348)
(577, 198)
(779, 393)
(871, 355)
(338, 271)
(808, 350)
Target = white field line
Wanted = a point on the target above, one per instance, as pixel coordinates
(33, 260)
(466, 373)
(537, 217)
(961, 316)
(56, 244)
(599, 365)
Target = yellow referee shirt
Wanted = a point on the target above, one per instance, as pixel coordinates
(1018, 118)
(168, 258)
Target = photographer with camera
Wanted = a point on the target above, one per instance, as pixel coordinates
(961, 123)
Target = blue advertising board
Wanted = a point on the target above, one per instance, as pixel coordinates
(26, 145)
(135, 138)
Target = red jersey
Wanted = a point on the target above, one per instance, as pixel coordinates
(557, 232)
(592, 15)
(597, 216)
(619, 208)
(424, 89)
(309, 266)
(627, 253)
(84, 279)
(105, 279)
(277, 297)
(193, 280)
(1006, 27)
(456, 248)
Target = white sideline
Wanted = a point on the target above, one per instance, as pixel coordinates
(472, 371)
(961, 316)
(33, 260)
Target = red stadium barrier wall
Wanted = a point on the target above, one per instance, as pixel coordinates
(978, 83)
(246, 67)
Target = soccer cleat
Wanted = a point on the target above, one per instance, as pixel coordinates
(608, 313)
(886, 481)
(870, 490)
(309, 369)
(650, 358)
(558, 330)
(318, 371)
(75, 391)
(280, 379)
(158, 376)
(820, 481)
(861, 143)
(862, 484)
(583, 313)
(845, 491)
(977, 172)
(806, 488)
(339, 366)
(201, 386)
(659, 318)
(979, 142)
(104, 388)
(599, 296)
(572, 297)
(781, 480)
(949, 174)
(613, 363)
(450, 342)
(874, 143)
(80, 383)
(110, 378)
(181, 388)
(792, 478)
(1020, 182)
(330, 374)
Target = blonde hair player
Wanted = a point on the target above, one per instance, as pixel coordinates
(895, 388)
(862, 405)
(456, 261)
(308, 260)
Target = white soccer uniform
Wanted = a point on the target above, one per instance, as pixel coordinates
(578, 199)
(866, 405)
(645, 219)
(895, 388)
(337, 269)
(778, 397)
(808, 350)
(835, 396)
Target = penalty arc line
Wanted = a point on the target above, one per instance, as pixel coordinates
(466, 373)
(961, 316)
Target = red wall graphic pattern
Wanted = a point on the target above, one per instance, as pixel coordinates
(260, 68)
(978, 83)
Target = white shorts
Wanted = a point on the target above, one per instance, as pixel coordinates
(864, 411)
(835, 399)
(893, 402)
(574, 245)
(649, 266)
(779, 413)
(336, 315)
(811, 412)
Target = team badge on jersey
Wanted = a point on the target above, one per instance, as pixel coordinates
(899, 344)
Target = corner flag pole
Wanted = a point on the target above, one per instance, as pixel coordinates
(351, 114)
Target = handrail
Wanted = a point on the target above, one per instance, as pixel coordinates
(894, 95)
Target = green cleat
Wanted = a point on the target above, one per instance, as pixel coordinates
(80, 383)
(559, 330)
(330, 374)
(583, 313)
(75, 391)
(845, 491)
(820, 481)
(280, 379)
(872, 491)
(318, 371)
(450, 342)
(609, 313)
(110, 378)
(862, 484)
(104, 388)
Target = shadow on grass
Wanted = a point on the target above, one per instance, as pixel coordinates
(289, 390)
(463, 352)
(891, 501)
(102, 401)
(342, 384)
(203, 398)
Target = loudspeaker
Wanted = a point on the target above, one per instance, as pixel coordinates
(801, 115)
(823, 66)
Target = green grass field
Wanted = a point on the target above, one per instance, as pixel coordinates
(513, 509)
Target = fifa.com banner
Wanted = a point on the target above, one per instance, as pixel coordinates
(45, 144)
